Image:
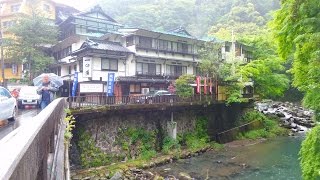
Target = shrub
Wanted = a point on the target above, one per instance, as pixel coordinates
(169, 144)
(183, 88)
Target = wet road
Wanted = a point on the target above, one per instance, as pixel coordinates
(24, 116)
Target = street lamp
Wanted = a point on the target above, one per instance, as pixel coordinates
(2, 58)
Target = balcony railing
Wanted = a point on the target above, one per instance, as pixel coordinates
(167, 50)
(149, 74)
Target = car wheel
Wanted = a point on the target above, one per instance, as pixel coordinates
(14, 114)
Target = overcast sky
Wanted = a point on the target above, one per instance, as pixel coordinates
(79, 4)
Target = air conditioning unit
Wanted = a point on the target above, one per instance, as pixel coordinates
(145, 90)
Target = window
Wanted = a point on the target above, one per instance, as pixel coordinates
(46, 7)
(14, 69)
(15, 8)
(4, 93)
(182, 47)
(163, 45)
(145, 42)
(173, 70)
(75, 67)
(59, 71)
(174, 46)
(135, 88)
(130, 41)
(69, 69)
(227, 48)
(148, 69)
(109, 64)
(7, 24)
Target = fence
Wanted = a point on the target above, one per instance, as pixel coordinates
(102, 100)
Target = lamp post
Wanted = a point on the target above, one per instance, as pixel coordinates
(2, 58)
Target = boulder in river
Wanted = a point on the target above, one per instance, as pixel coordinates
(184, 176)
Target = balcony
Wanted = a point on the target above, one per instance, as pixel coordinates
(166, 50)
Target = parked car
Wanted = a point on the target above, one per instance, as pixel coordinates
(155, 97)
(28, 96)
(8, 105)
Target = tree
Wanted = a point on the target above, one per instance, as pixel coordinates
(33, 35)
(310, 155)
(183, 87)
(267, 70)
(296, 28)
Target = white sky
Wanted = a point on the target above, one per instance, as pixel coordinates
(79, 4)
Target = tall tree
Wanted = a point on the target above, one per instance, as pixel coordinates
(32, 36)
(297, 30)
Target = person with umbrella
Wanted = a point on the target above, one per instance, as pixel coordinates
(46, 89)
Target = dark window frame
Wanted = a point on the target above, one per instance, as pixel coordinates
(109, 68)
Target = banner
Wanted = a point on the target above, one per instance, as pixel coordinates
(198, 81)
(87, 69)
(75, 84)
(210, 86)
(110, 86)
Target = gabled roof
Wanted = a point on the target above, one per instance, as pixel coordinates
(101, 45)
(180, 30)
(97, 12)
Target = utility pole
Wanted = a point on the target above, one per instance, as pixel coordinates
(2, 58)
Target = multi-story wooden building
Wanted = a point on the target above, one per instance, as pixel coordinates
(142, 60)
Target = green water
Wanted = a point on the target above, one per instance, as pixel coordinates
(272, 159)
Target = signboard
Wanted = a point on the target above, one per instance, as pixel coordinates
(87, 67)
(110, 87)
(198, 81)
(91, 88)
(75, 84)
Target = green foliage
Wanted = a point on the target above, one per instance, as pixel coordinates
(90, 155)
(270, 128)
(32, 34)
(170, 145)
(196, 15)
(310, 155)
(70, 122)
(198, 138)
(137, 142)
(183, 88)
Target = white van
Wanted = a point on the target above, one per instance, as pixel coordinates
(28, 96)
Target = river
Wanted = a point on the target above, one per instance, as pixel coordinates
(272, 159)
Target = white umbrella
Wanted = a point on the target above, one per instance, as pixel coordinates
(53, 78)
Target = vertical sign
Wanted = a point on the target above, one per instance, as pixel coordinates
(205, 86)
(75, 84)
(198, 84)
(210, 86)
(87, 69)
(110, 84)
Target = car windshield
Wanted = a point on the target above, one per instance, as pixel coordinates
(4, 93)
(32, 90)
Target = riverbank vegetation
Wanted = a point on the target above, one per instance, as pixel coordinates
(143, 149)
(269, 126)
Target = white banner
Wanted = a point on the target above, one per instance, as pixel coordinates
(87, 69)
(91, 88)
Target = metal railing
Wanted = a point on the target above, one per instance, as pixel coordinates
(103, 100)
(36, 149)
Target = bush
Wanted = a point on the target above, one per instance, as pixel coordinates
(169, 144)
(250, 116)
(183, 88)
(310, 155)
(90, 155)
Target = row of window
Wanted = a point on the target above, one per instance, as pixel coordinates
(155, 69)
(8, 24)
(146, 42)
(16, 7)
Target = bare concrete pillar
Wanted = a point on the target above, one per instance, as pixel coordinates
(172, 128)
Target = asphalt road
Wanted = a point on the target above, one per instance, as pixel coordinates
(24, 116)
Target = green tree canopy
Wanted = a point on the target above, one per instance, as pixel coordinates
(33, 35)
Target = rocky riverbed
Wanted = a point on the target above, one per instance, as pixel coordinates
(293, 117)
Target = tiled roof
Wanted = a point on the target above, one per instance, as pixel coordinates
(102, 45)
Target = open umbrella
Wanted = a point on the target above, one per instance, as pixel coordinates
(53, 78)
